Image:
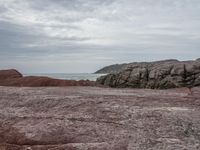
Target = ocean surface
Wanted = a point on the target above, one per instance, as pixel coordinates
(68, 76)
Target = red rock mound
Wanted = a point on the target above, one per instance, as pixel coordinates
(9, 74)
(14, 78)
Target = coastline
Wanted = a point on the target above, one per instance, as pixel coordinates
(14, 78)
(67, 76)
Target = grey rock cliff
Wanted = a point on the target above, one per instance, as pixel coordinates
(159, 75)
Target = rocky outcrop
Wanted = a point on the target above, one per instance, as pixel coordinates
(160, 75)
(9, 74)
(14, 78)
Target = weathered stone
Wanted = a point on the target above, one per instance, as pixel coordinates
(160, 74)
(93, 118)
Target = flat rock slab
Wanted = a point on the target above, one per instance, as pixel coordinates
(93, 118)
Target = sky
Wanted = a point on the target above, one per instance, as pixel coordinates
(77, 36)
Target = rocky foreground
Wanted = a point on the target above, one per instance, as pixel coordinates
(155, 75)
(92, 118)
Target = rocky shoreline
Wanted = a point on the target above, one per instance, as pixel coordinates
(163, 74)
(13, 77)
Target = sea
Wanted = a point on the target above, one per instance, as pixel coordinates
(68, 76)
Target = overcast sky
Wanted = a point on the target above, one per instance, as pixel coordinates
(85, 35)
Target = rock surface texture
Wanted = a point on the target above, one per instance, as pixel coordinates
(14, 78)
(160, 75)
(91, 118)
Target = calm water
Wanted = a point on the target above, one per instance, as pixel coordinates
(68, 76)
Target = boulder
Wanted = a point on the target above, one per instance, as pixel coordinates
(156, 75)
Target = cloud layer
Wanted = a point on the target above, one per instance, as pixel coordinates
(85, 35)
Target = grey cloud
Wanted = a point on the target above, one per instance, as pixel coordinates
(74, 5)
(3, 9)
(16, 35)
(96, 33)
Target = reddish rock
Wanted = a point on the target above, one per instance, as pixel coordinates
(9, 74)
(93, 118)
(33, 81)
(14, 78)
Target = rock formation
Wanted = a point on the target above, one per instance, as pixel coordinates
(93, 118)
(160, 75)
(14, 78)
(9, 74)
